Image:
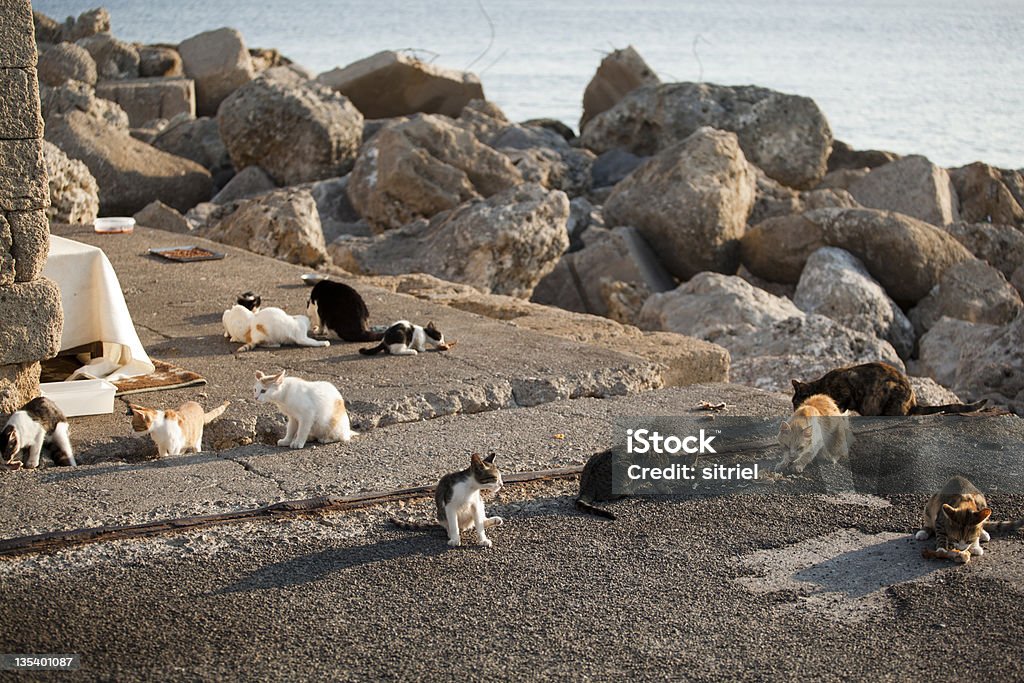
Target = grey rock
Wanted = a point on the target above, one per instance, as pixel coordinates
(845, 157)
(146, 99)
(197, 139)
(690, 202)
(114, 59)
(1002, 246)
(33, 321)
(74, 194)
(785, 135)
(295, 130)
(219, 64)
(970, 290)
(66, 62)
(912, 186)
(249, 182)
(612, 166)
(986, 196)
(162, 217)
(620, 73)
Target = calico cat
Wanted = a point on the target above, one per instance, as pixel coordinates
(174, 431)
(315, 410)
(273, 327)
(596, 485)
(458, 501)
(237, 322)
(37, 425)
(337, 307)
(958, 517)
(873, 389)
(817, 427)
(405, 339)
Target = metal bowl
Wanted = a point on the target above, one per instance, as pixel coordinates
(313, 278)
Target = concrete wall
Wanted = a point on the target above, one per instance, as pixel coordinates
(31, 318)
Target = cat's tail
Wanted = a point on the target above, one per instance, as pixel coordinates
(215, 413)
(953, 408)
(587, 506)
(373, 350)
(364, 335)
(247, 347)
(1004, 527)
(410, 525)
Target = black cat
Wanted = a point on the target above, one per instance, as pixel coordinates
(337, 307)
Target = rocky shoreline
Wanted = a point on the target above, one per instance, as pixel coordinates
(729, 214)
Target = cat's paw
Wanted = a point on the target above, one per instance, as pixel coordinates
(284, 442)
(496, 521)
(921, 535)
(297, 444)
(324, 343)
(962, 557)
(976, 550)
(486, 542)
(985, 537)
(454, 543)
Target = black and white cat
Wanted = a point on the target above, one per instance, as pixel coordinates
(405, 339)
(337, 307)
(458, 501)
(39, 424)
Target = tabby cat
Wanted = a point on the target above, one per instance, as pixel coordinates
(873, 389)
(37, 426)
(958, 517)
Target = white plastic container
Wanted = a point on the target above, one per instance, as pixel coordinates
(81, 396)
(114, 225)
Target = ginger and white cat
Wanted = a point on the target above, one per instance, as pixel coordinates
(458, 501)
(315, 410)
(174, 431)
(958, 518)
(817, 427)
(268, 327)
(37, 426)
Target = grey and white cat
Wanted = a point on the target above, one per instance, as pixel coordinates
(459, 504)
(37, 425)
(405, 339)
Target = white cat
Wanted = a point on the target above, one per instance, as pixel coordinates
(238, 323)
(273, 327)
(38, 425)
(315, 410)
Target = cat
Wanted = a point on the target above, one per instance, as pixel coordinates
(237, 322)
(273, 327)
(250, 300)
(596, 485)
(458, 501)
(405, 339)
(315, 410)
(873, 389)
(37, 425)
(958, 517)
(174, 431)
(817, 427)
(337, 307)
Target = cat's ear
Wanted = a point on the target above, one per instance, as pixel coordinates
(948, 509)
(490, 458)
(984, 514)
(796, 385)
(260, 376)
(475, 460)
(784, 427)
(431, 326)
(278, 378)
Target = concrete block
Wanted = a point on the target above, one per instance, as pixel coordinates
(19, 115)
(6, 258)
(31, 321)
(145, 99)
(18, 47)
(30, 242)
(22, 176)
(19, 384)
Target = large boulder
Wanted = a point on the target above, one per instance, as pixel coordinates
(775, 199)
(146, 99)
(397, 84)
(913, 186)
(74, 194)
(690, 202)
(1002, 246)
(87, 24)
(985, 197)
(197, 139)
(504, 244)
(543, 156)
(66, 62)
(970, 290)
(785, 135)
(422, 166)
(620, 73)
(219, 63)
(282, 224)
(769, 339)
(114, 59)
(836, 284)
(159, 61)
(78, 96)
(130, 173)
(905, 255)
(977, 360)
(249, 182)
(295, 130)
(582, 280)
